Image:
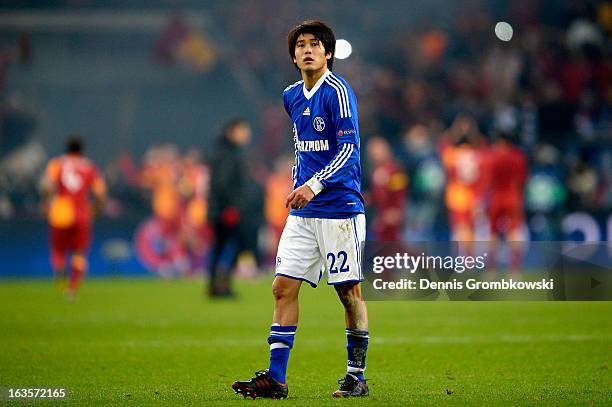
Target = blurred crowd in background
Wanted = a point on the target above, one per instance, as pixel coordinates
(426, 75)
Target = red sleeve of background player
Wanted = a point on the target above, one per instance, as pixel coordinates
(98, 186)
(53, 171)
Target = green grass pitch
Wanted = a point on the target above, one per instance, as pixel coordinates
(151, 342)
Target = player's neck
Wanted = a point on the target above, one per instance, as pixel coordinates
(311, 78)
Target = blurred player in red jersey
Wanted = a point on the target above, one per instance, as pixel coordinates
(162, 174)
(69, 180)
(506, 178)
(388, 191)
(278, 186)
(461, 151)
(194, 185)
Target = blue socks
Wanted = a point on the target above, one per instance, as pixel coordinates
(281, 341)
(357, 347)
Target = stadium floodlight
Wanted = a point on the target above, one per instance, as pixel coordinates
(504, 31)
(343, 49)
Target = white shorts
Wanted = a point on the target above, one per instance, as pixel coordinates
(310, 246)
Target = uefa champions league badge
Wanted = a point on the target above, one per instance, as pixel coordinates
(318, 123)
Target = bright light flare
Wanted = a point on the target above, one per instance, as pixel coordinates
(503, 31)
(343, 49)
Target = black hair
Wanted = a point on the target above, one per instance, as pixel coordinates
(464, 139)
(508, 136)
(74, 144)
(321, 31)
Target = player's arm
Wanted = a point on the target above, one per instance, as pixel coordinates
(99, 191)
(287, 106)
(343, 161)
(344, 113)
(51, 178)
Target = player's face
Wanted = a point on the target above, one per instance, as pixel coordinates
(310, 55)
(378, 150)
(241, 134)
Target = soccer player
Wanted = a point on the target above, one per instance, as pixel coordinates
(229, 179)
(461, 151)
(388, 191)
(195, 233)
(326, 224)
(68, 182)
(507, 173)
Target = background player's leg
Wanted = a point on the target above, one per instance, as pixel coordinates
(79, 268)
(515, 242)
(58, 263)
(284, 325)
(80, 236)
(58, 257)
(356, 315)
(222, 259)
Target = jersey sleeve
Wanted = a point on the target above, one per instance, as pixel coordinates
(285, 103)
(342, 105)
(343, 161)
(98, 185)
(52, 173)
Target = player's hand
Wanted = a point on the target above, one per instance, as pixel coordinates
(299, 198)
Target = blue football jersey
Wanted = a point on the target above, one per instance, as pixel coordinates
(326, 138)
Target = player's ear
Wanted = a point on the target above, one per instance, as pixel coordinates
(328, 55)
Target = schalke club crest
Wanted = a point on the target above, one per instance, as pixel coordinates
(318, 123)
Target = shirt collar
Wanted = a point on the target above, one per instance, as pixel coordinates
(309, 93)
